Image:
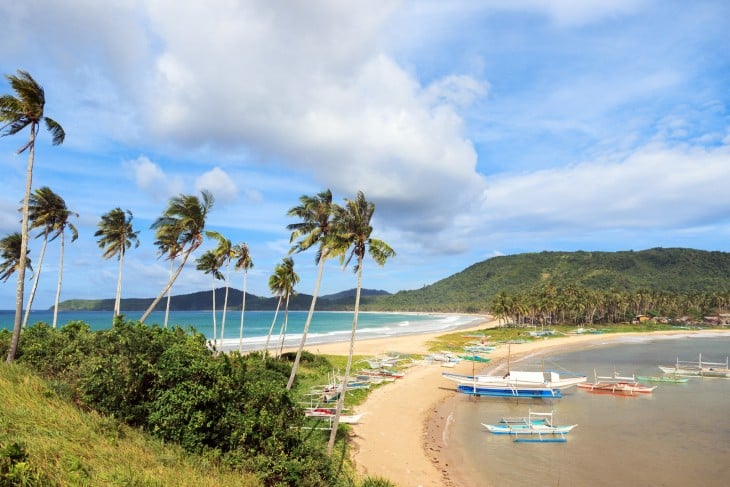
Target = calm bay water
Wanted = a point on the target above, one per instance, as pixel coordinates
(326, 326)
(677, 436)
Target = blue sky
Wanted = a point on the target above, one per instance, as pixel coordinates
(478, 128)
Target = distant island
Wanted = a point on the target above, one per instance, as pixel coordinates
(659, 270)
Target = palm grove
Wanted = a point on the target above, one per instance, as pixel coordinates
(332, 230)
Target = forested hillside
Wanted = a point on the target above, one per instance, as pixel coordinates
(671, 270)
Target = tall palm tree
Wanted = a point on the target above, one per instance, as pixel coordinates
(16, 113)
(224, 253)
(116, 235)
(210, 263)
(10, 253)
(353, 230)
(279, 282)
(184, 217)
(288, 281)
(62, 224)
(243, 262)
(315, 227)
(44, 209)
(167, 244)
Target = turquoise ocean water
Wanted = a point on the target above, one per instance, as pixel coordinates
(326, 326)
(677, 436)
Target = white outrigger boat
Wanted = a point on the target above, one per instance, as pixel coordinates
(536, 427)
(519, 378)
(698, 368)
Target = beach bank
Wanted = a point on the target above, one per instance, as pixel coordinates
(405, 424)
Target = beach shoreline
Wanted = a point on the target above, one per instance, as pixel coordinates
(404, 430)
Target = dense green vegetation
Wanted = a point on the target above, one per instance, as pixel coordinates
(672, 271)
(232, 412)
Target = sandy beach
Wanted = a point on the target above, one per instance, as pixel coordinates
(402, 430)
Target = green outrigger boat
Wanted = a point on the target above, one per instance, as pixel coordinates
(475, 358)
(662, 378)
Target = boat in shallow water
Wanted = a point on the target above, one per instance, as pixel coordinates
(616, 384)
(698, 368)
(509, 391)
(662, 378)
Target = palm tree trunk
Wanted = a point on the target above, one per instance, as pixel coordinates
(282, 335)
(243, 309)
(346, 378)
(118, 300)
(20, 290)
(169, 292)
(295, 367)
(60, 280)
(225, 303)
(167, 286)
(271, 329)
(35, 281)
(215, 324)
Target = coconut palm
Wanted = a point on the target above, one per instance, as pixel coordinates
(210, 263)
(315, 213)
(26, 109)
(244, 262)
(224, 253)
(167, 244)
(44, 209)
(184, 217)
(353, 230)
(62, 224)
(116, 235)
(288, 281)
(10, 253)
(280, 284)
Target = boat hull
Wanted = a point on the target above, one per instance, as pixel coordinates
(531, 392)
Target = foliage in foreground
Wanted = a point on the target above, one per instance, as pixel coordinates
(230, 409)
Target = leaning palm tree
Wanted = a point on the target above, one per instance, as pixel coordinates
(185, 217)
(244, 262)
(10, 253)
(315, 213)
(16, 113)
(167, 244)
(44, 209)
(116, 235)
(210, 263)
(224, 253)
(353, 229)
(278, 283)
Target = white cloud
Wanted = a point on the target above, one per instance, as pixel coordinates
(151, 179)
(219, 183)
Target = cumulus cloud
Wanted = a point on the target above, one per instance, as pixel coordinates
(219, 183)
(151, 179)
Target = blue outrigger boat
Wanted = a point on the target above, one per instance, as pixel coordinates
(507, 391)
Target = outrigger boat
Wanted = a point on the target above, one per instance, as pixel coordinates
(662, 378)
(515, 378)
(475, 358)
(616, 384)
(329, 415)
(699, 368)
(509, 391)
(538, 425)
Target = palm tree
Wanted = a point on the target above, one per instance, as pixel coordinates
(315, 213)
(61, 224)
(184, 217)
(44, 209)
(353, 229)
(116, 235)
(209, 263)
(167, 244)
(224, 254)
(10, 253)
(244, 262)
(279, 283)
(288, 280)
(17, 113)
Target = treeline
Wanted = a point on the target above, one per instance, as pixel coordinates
(231, 409)
(550, 305)
(660, 270)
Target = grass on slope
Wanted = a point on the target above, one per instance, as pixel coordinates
(66, 446)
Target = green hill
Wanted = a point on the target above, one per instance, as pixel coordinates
(671, 270)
